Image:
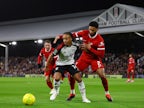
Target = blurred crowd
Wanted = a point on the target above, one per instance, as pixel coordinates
(115, 64)
(19, 66)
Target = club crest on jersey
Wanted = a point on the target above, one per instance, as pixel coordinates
(101, 44)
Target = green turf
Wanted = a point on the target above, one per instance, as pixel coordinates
(125, 95)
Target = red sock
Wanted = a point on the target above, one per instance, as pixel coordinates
(71, 82)
(105, 83)
(50, 85)
(133, 75)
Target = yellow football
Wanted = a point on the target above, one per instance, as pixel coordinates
(28, 99)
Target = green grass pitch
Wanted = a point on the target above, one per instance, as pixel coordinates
(125, 95)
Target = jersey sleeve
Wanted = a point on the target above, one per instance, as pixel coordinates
(78, 34)
(39, 57)
(60, 36)
(57, 50)
(100, 51)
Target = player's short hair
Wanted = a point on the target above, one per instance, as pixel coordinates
(47, 41)
(94, 24)
(69, 33)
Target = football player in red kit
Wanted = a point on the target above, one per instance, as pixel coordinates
(131, 68)
(45, 52)
(93, 50)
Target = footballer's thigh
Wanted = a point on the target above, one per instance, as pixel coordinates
(101, 72)
(72, 69)
(98, 67)
(77, 77)
(59, 72)
(47, 78)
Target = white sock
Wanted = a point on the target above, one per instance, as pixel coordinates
(56, 85)
(107, 92)
(72, 91)
(82, 90)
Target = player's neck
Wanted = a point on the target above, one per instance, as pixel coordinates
(47, 50)
(68, 45)
(93, 35)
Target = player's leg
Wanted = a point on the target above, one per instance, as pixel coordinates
(133, 75)
(48, 80)
(128, 75)
(49, 83)
(48, 75)
(99, 67)
(81, 87)
(72, 87)
(62, 79)
(104, 80)
(73, 71)
(57, 77)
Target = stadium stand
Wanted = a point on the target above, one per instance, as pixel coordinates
(116, 64)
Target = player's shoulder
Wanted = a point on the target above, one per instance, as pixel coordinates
(42, 49)
(100, 37)
(83, 31)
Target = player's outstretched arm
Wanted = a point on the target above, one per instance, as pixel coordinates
(56, 39)
(49, 60)
(39, 59)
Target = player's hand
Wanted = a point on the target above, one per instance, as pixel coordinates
(39, 65)
(56, 38)
(85, 47)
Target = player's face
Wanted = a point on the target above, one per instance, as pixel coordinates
(47, 45)
(130, 56)
(92, 30)
(67, 39)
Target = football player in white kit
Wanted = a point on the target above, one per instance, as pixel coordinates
(66, 62)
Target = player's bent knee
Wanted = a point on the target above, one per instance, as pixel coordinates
(47, 78)
(101, 73)
(77, 77)
(57, 76)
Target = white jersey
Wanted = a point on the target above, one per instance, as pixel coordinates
(66, 56)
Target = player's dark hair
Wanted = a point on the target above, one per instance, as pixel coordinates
(69, 33)
(47, 41)
(94, 24)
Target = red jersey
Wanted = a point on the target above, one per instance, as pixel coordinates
(97, 50)
(131, 63)
(44, 53)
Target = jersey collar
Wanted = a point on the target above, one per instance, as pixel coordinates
(93, 36)
(48, 50)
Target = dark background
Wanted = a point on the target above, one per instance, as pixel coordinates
(114, 43)
(23, 9)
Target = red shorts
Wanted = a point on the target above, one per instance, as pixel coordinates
(83, 63)
(48, 73)
(130, 70)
